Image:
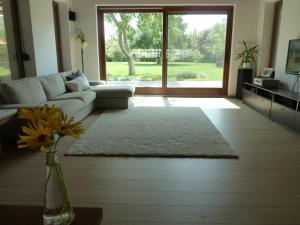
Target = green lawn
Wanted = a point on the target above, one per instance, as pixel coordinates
(152, 71)
(4, 72)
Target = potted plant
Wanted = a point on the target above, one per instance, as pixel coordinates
(248, 55)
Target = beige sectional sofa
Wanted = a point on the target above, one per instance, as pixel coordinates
(52, 90)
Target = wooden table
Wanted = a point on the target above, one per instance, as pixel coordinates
(6, 115)
(33, 215)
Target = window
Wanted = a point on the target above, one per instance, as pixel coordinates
(166, 50)
(4, 57)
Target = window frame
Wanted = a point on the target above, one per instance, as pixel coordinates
(169, 10)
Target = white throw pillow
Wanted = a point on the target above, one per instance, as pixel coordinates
(81, 79)
(73, 86)
(84, 83)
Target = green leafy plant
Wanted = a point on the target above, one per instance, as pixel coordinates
(248, 55)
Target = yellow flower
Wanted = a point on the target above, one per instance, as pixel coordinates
(44, 115)
(43, 123)
(67, 126)
(37, 136)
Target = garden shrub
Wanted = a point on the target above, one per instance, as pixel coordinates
(220, 64)
(118, 56)
(108, 58)
(185, 58)
(186, 75)
(147, 59)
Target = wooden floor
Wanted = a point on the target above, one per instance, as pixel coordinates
(262, 187)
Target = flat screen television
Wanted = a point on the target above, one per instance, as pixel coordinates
(293, 59)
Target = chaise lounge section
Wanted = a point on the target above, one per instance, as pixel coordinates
(116, 97)
(108, 97)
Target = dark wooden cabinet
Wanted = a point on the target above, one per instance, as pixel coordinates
(278, 105)
(283, 114)
(297, 124)
(244, 75)
(33, 215)
(259, 103)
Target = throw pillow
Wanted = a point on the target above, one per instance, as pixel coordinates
(80, 78)
(73, 86)
(73, 75)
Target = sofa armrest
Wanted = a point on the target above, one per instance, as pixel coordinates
(16, 106)
(97, 82)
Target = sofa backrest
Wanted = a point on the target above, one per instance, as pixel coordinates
(53, 85)
(23, 91)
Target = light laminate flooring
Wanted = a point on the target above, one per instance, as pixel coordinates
(262, 187)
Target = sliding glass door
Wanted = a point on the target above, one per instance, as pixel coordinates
(11, 61)
(196, 50)
(133, 48)
(4, 57)
(166, 50)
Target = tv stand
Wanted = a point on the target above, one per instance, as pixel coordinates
(276, 104)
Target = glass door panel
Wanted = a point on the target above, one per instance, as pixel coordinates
(133, 48)
(196, 50)
(4, 57)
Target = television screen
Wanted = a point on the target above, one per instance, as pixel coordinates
(293, 59)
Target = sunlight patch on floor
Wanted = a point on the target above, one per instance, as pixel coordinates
(204, 103)
(148, 101)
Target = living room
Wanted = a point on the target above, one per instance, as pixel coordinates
(136, 112)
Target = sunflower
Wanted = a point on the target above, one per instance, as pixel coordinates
(37, 136)
(43, 123)
(45, 115)
(67, 126)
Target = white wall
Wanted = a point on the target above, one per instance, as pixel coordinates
(38, 35)
(67, 35)
(289, 29)
(43, 33)
(245, 28)
(265, 30)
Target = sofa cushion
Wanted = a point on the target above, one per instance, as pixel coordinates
(86, 96)
(53, 85)
(23, 91)
(113, 91)
(70, 106)
(74, 75)
(80, 78)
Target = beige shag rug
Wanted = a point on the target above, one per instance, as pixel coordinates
(153, 132)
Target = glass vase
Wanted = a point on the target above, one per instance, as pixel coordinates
(57, 205)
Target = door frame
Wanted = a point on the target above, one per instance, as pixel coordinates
(275, 32)
(58, 41)
(169, 10)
